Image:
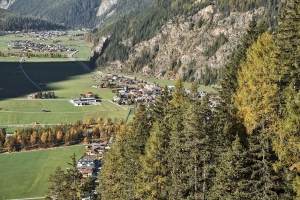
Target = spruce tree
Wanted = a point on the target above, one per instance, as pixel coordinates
(198, 145)
(111, 173)
(133, 146)
(257, 101)
(151, 180)
(286, 142)
(175, 151)
(233, 174)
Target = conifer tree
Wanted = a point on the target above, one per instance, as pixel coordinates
(175, 151)
(227, 112)
(111, 173)
(256, 96)
(288, 40)
(66, 185)
(233, 174)
(197, 147)
(133, 148)
(151, 180)
(257, 102)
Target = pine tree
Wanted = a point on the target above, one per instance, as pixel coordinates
(197, 148)
(151, 180)
(233, 174)
(111, 173)
(66, 185)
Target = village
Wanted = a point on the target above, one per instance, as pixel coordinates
(133, 91)
(29, 46)
(42, 35)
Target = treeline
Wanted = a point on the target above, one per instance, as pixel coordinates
(247, 148)
(143, 26)
(16, 22)
(37, 136)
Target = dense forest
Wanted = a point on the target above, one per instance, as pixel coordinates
(124, 33)
(10, 21)
(246, 148)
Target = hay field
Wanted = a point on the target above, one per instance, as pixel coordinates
(25, 174)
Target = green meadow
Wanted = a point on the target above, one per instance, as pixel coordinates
(25, 174)
(66, 79)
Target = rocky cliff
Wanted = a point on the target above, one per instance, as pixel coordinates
(188, 45)
(6, 3)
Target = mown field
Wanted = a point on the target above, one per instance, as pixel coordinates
(66, 79)
(25, 174)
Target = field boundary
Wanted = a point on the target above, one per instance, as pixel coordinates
(29, 198)
(28, 76)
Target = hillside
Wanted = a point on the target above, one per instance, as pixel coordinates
(11, 21)
(76, 13)
(181, 38)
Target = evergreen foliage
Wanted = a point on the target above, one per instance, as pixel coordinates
(232, 180)
(66, 185)
(10, 21)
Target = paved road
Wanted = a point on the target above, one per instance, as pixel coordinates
(84, 66)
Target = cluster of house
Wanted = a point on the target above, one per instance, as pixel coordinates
(40, 35)
(132, 91)
(29, 46)
(90, 163)
(44, 35)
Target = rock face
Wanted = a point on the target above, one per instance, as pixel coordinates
(99, 48)
(105, 6)
(186, 43)
(6, 3)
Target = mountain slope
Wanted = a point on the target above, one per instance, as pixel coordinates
(76, 13)
(180, 38)
(11, 21)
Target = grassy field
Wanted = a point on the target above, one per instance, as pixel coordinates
(66, 79)
(25, 175)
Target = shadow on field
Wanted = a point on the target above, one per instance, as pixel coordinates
(14, 83)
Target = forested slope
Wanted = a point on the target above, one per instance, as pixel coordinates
(11, 21)
(246, 148)
(78, 13)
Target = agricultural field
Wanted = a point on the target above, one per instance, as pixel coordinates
(67, 79)
(25, 174)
